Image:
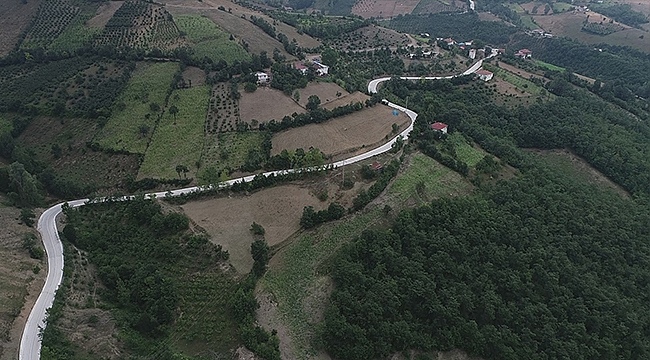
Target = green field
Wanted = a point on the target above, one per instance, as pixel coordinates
(547, 66)
(178, 140)
(464, 151)
(297, 276)
(519, 82)
(528, 22)
(559, 7)
(75, 35)
(232, 148)
(425, 179)
(148, 85)
(209, 40)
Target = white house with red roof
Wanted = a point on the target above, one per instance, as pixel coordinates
(301, 67)
(484, 74)
(524, 54)
(438, 126)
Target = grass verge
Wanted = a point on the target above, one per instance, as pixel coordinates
(547, 66)
(178, 140)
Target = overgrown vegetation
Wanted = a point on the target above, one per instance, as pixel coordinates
(153, 270)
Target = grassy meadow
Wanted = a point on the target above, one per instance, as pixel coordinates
(209, 40)
(132, 108)
(178, 140)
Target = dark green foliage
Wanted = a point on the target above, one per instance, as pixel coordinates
(365, 197)
(23, 189)
(459, 26)
(257, 229)
(27, 216)
(320, 26)
(313, 102)
(311, 218)
(621, 13)
(287, 78)
(31, 243)
(536, 268)
(317, 115)
(260, 253)
(137, 251)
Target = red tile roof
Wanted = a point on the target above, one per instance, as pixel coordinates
(483, 72)
(438, 126)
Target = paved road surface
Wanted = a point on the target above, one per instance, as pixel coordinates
(30, 343)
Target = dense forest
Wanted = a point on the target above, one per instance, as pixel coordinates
(542, 266)
(462, 27)
(539, 267)
(152, 269)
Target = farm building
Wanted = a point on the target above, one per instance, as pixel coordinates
(484, 75)
(300, 66)
(524, 54)
(262, 77)
(449, 41)
(321, 69)
(438, 126)
(472, 54)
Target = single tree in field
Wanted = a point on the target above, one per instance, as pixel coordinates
(182, 169)
(173, 110)
(313, 102)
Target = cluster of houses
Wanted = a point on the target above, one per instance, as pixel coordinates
(539, 33)
(524, 54)
(321, 69)
(304, 66)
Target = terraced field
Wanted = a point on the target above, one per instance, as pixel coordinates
(208, 40)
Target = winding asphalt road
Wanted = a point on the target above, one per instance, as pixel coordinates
(30, 343)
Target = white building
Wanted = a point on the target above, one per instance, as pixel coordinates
(321, 69)
(484, 75)
(262, 77)
(472, 54)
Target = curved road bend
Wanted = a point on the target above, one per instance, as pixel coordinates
(30, 343)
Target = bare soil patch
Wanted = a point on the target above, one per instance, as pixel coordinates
(194, 76)
(19, 284)
(242, 29)
(523, 73)
(370, 37)
(536, 8)
(265, 104)
(86, 322)
(383, 8)
(228, 219)
(14, 18)
(325, 91)
(582, 169)
(104, 13)
(355, 97)
(344, 135)
(488, 16)
(570, 24)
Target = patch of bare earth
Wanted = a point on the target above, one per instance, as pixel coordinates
(228, 219)
(232, 22)
(104, 13)
(488, 16)
(353, 98)
(325, 91)
(520, 72)
(266, 104)
(193, 76)
(86, 322)
(15, 16)
(383, 8)
(343, 136)
(584, 169)
(19, 284)
(570, 24)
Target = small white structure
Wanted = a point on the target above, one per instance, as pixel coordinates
(472, 54)
(321, 69)
(484, 75)
(262, 77)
